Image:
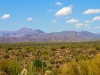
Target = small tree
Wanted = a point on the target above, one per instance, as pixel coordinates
(39, 64)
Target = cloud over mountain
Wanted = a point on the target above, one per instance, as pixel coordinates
(29, 19)
(72, 21)
(78, 25)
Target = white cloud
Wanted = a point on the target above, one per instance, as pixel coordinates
(96, 18)
(29, 19)
(72, 21)
(51, 10)
(96, 27)
(64, 11)
(58, 3)
(92, 11)
(78, 25)
(5, 16)
(54, 21)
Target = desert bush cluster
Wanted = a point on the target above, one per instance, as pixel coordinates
(50, 58)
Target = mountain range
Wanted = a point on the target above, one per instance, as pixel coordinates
(29, 35)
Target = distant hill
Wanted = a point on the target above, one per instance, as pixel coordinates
(27, 35)
(19, 33)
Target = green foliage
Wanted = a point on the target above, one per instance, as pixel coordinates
(39, 64)
(84, 67)
(51, 58)
(10, 67)
(13, 67)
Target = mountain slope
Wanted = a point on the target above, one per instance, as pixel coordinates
(27, 35)
(19, 33)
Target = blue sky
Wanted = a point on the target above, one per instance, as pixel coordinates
(50, 15)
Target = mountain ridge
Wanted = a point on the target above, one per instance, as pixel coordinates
(28, 34)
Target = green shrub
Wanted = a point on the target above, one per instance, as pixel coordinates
(11, 67)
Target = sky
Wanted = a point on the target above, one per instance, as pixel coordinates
(50, 15)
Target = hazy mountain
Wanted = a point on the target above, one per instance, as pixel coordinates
(19, 33)
(27, 34)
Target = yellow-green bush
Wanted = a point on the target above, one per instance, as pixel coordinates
(83, 67)
(10, 67)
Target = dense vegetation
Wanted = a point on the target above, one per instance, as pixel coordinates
(72, 58)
